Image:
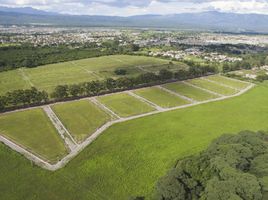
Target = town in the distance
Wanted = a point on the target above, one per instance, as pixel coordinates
(125, 100)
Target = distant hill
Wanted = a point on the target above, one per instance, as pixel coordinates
(205, 20)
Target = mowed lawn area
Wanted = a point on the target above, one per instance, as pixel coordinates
(160, 97)
(189, 91)
(229, 82)
(33, 130)
(48, 76)
(125, 105)
(128, 159)
(214, 87)
(81, 118)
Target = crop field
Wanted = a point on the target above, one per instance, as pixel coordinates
(33, 130)
(219, 89)
(48, 76)
(125, 105)
(229, 82)
(81, 118)
(128, 158)
(189, 91)
(161, 97)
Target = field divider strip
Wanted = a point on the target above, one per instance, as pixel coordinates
(157, 107)
(104, 108)
(200, 88)
(100, 130)
(221, 84)
(176, 94)
(63, 132)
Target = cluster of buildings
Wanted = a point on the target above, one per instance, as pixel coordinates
(179, 55)
(46, 36)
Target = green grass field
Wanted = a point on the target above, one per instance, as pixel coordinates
(212, 86)
(128, 159)
(48, 76)
(33, 130)
(81, 118)
(189, 91)
(125, 105)
(229, 82)
(161, 97)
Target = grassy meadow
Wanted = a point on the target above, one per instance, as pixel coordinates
(128, 159)
(81, 118)
(48, 76)
(33, 130)
(160, 97)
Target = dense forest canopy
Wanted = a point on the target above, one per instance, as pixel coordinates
(232, 167)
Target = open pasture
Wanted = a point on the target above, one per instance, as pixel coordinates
(128, 158)
(229, 82)
(125, 105)
(214, 87)
(33, 130)
(160, 97)
(47, 77)
(189, 91)
(81, 118)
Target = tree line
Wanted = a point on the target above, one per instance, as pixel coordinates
(23, 98)
(30, 97)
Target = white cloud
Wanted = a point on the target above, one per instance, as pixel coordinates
(138, 7)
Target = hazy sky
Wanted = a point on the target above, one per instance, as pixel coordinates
(139, 7)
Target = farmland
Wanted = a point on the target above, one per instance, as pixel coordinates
(189, 91)
(228, 82)
(47, 77)
(120, 104)
(81, 121)
(119, 164)
(160, 97)
(33, 130)
(81, 118)
(219, 89)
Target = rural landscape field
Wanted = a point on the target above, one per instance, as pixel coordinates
(133, 100)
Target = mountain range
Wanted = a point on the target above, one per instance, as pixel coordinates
(211, 20)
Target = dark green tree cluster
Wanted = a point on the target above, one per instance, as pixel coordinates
(29, 56)
(120, 72)
(227, 67)
(262, 77)
(26, 97)
(109, 85)
(233, 167)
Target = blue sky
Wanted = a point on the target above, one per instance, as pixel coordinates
(140, 7)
